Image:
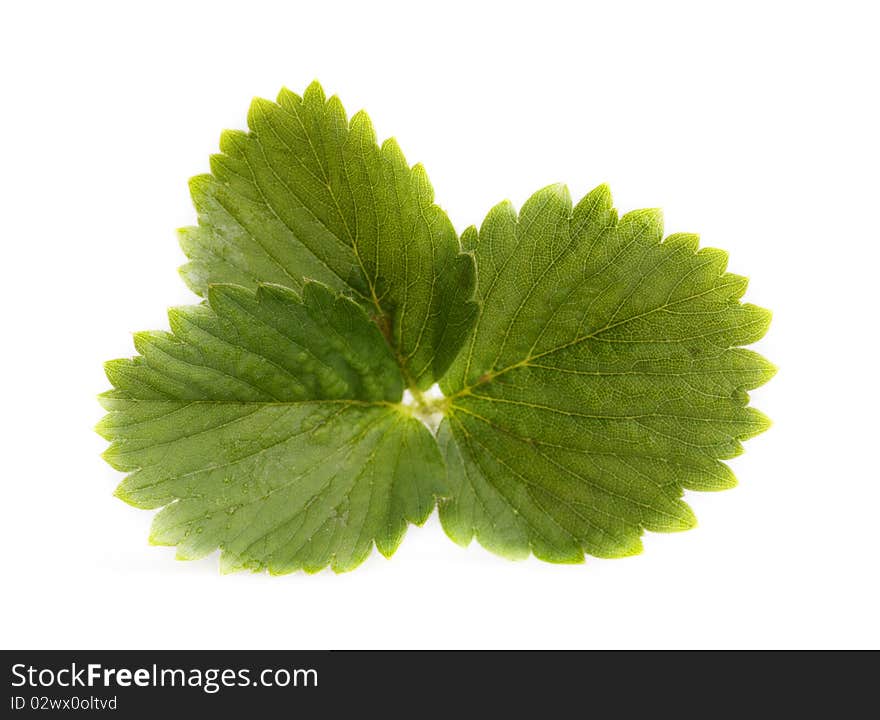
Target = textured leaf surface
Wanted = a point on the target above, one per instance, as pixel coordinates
(603, 376)
(592, 370)
(269, 427)
(306, 193)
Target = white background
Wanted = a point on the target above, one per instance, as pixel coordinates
(754, 124)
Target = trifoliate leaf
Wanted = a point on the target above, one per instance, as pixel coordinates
(592, 370)
(603, 377)
(306, 193)
(270, 427)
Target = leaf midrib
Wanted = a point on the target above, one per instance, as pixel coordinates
(353, 237)
(491, 375)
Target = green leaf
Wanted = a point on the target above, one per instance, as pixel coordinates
(591, 370)
(308, 194)
(603, 376)
(270, 427)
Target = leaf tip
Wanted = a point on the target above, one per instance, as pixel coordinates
(109, 400)
(194, 277)
(573, 555)
(602, 192)
(314, 93)
(560, 190)
(229, 563)
(759, 423)
(756, 323)
(104, 426)
(200, 189)
(687, 241)
(629, 547)
(361, 127)
(115, 370)
(469, 239)
(556, 195)
(500, 215)
(121, 491)
(144, 339)
(287, 98)
(232, 142)
(647, 222)
(685, 519)
(259, 109)
(388, 546)
(391, 150)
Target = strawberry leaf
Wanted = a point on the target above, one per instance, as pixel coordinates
(589, 370)
(306, 193)
(270, 427)
(603, 377)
